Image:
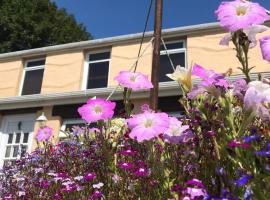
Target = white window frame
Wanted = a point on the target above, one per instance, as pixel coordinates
(65, 123)
(175, 51)
(87, 63)
(27, 69)
(4, 136)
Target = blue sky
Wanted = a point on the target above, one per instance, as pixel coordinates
(106, 18)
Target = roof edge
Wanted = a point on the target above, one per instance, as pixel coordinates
(179, 31)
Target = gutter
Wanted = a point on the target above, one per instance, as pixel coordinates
(38, 100)
(105, 42)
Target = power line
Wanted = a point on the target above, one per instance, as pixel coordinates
(145, 27)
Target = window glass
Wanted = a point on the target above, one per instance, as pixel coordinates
(99, 56)
(33, 77)
(32, 82)
(171, 46)
(98, 75)
(35, 63)
(165, 65)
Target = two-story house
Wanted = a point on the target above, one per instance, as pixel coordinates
(56, 80)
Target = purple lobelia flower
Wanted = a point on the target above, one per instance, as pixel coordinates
(240, 14)
(243, 180)
(126, 165)
(265, 47)
(90, 176)
(195, 182)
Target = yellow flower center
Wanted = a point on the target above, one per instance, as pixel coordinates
(241, 10)
(98, 109)
(132, 78)
(148, 123)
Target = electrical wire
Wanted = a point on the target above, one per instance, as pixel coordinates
(145, 27)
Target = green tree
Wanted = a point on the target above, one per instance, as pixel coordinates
(27, 24)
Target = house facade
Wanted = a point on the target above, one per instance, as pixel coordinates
(56, 80)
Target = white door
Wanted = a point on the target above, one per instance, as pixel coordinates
(16, 137)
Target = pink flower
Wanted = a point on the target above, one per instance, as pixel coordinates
(265, 47)
(175, 133)
(196, 192)
(133, 80)
(125, 165)
(148, 125)
(97, 109)
(195, 182)
(239, 14)
(141, 172)
(44, 134)
(90, 176)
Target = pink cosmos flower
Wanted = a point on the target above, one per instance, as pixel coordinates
(240, 14)
(147, 125)
(97, 109)
(265, 47)
(175, 133)
(44, 134)
(133, 80)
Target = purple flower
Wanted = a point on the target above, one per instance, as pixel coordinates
(125, 165)
(195, 192)
(239, 88)
(128, 152)
(133, 80)
(235, 143)
(44, 134)
(90, 176)
(242, 180)
(195, 182)
(250, 138)
(95, 195)
(265, 47)
(262, 153)
(97, 109)
(141, 172)
(175, 133)
(238, 14)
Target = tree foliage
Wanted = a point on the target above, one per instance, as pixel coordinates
(26, 24)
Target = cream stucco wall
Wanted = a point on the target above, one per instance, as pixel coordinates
(53, 121)
(10, 78)
(63, 72)
(123, 57)
(206, 51)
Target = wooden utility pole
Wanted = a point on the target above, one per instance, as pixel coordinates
(156, 55)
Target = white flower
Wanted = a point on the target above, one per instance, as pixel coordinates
(262, 88)
(98, 186)
(182, 75)
(250, 32)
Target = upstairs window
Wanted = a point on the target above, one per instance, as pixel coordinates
(33, 75)
(177, 52)
(97, 70)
